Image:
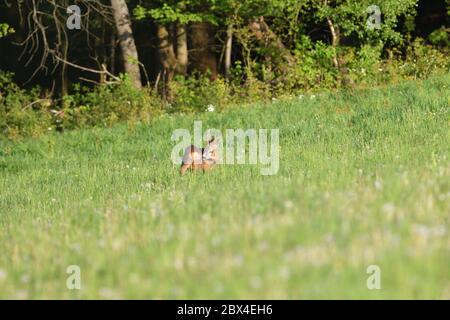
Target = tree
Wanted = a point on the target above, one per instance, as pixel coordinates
(171, 19)
(350, 18)
(49, 47)
(126, 41)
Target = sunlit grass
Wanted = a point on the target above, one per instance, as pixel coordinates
(364, 180)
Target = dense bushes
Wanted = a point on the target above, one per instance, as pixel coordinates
(107, 105)
(24, 113)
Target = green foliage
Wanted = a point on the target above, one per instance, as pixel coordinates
(375, 56)
(194, 94)
(5, 29)
(314, 66)
(365, 65)
(423, 60)
(440, 37)
(170, 11)
(109, 104)
(351, 16)
(22, 113)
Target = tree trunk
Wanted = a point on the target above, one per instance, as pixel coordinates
(203, 58)
(335, 39)
(267, 38)
(339, 62)
(126, 41)
(167, 59)
(182, 49)
(228, 50)
(112, 54)
(278, 59)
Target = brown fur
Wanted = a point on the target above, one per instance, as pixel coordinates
(193, 153)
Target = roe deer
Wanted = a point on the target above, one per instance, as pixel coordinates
(200, 158)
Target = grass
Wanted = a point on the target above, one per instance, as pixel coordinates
(364, 179)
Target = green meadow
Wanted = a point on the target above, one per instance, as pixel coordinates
(364, 179)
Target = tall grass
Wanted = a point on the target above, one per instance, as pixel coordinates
(364, 180)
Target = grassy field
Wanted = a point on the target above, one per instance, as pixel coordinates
(364, 180)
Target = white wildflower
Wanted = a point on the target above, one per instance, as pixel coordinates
(378, 184)
(388, 208)
(210, 108)
(288, 205)
(25, 278)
